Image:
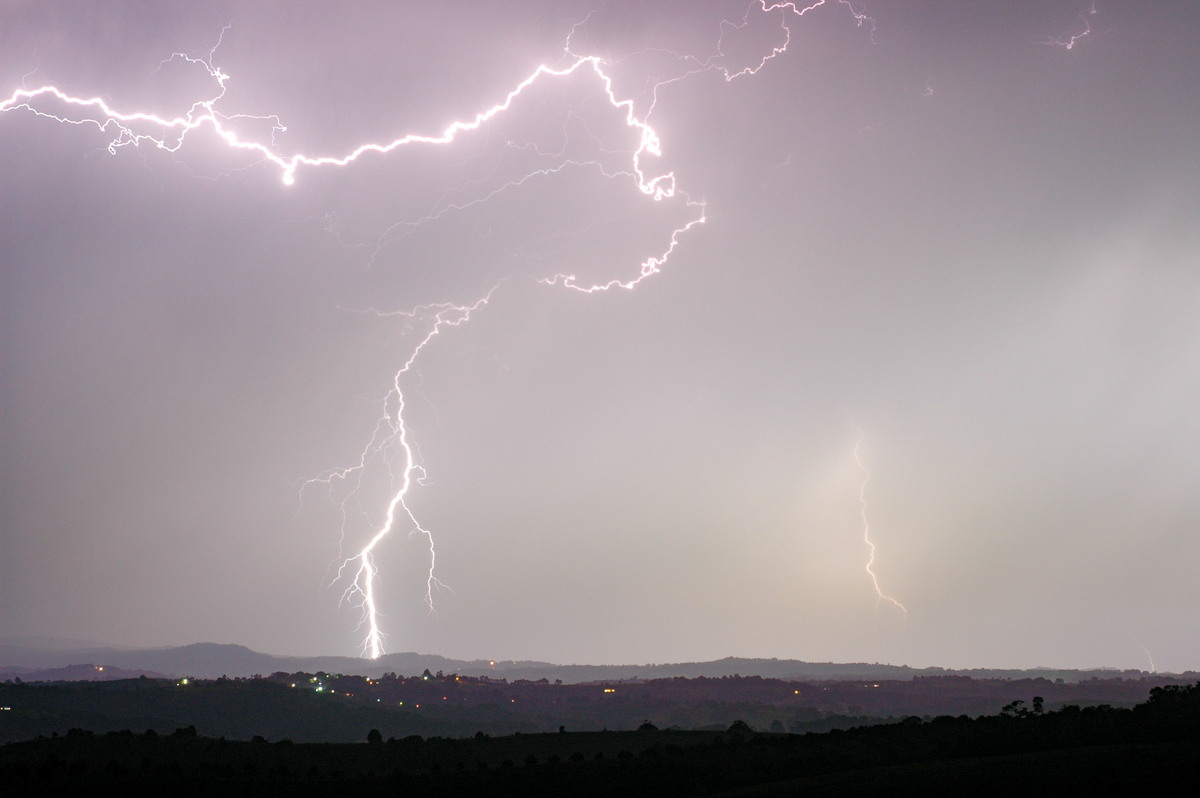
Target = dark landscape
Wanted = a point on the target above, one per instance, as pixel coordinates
(310, 733)
(131, 729)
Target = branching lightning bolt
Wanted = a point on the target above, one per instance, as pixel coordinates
(862, 504)
(784, 9)
(1068, 41)
(391, 438)
(362, 565)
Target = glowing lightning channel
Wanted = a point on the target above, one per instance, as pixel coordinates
(203, 113)
(1068, 42)
(170, 133)
(362, 564)
(1150, 657)
(862, 503)
(784, 9)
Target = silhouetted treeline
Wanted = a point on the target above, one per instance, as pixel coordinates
(1153, 748)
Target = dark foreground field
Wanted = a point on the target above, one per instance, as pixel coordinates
(339, 708)
(1155, 746)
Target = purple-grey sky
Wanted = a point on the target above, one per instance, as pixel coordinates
(943, 236)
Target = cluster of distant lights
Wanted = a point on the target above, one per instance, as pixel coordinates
(317, 685)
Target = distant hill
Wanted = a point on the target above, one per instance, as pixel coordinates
(77, 673)
(212, 660)
(31, 662)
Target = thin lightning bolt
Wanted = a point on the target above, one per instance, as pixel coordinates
(784, 9)
(1068, 42)
(862, 503)
(1150, 657)
(391, 439)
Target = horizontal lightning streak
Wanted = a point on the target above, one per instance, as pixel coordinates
(203, 113)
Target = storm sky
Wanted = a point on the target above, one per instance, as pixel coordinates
(942, 236)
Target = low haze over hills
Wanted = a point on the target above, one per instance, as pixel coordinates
(211, 660)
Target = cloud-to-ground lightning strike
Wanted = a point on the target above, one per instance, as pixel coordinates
(143, 129)
(1149, 657)
(362, 564)
(866, 527)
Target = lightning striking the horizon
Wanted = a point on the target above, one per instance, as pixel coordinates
(392, 437)
(866, 527)
(1149, 657)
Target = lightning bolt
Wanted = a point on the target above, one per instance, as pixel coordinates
(361, 566)
(392, 440)
(1068, 41)
(866, 527)
(1150, 657)
(784, 9)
